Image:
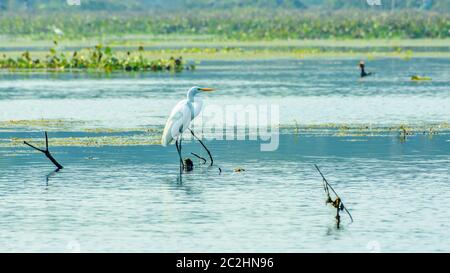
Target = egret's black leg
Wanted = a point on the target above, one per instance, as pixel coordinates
(204, 146)
(179, 154)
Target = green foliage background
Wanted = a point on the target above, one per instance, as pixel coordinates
(438, 5)
(230, 19)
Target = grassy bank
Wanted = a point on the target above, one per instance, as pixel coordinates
(204, 41)
(138, 48)
(227, 34)
(97, 58)
(239, 24)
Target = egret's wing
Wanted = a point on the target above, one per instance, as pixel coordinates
(178, 121)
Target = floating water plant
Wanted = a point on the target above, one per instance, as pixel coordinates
(404, 132)
(99, 58)
(420, 78)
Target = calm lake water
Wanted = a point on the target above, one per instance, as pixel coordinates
(118, 193)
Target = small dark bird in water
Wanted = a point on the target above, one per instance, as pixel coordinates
(188, 165)
(363, 72)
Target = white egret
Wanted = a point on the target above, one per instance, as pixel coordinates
(180, 118)
(58, 31)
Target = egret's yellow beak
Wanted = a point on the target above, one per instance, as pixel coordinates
(206, 89)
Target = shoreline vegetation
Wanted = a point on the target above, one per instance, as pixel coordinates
(142, 53)
(231, 24)
(149, 41)
(98, 58)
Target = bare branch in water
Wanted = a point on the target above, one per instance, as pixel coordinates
(338, 202)
(46, 152)
(199, 157)
(50, 174)
(209, 153)
(26, 143)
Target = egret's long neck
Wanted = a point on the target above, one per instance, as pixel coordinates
(190, 95)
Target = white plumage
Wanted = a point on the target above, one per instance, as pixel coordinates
(182, 115)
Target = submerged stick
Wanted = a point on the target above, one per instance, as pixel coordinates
(46, 152)
(209, 153)
(204, 161)
(50, 174)
(338, 198)
(199, 157)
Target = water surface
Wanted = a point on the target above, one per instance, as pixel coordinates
(121, 197)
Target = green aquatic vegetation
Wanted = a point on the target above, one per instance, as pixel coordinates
(404, 131)
(41, 124)
(420, 78)
(364, 130)
(119, 130)
(98, 58)
(88, 141)
(242, 24)
(102, 136)
(232, 50)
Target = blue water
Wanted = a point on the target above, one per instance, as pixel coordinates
(115, 197)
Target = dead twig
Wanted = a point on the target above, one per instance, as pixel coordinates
(199, 157)
(337, 203)
(46, 152)
(204, 146)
